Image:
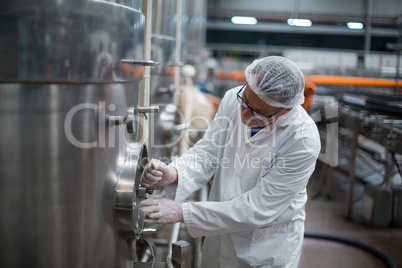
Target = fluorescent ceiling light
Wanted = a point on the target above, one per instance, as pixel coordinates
(299, 22)
(355, 25)
(244, 20)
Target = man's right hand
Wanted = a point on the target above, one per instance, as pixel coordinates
(158, 173)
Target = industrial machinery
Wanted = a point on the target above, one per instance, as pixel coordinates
(378, 118)
(366, 147)
(71, 162)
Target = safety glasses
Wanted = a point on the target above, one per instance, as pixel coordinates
(253, 112)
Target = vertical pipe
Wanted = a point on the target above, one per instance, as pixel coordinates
(295, 9)
(389, 166)
(176, 227)
(178, 49)
(398, 55)
(183, 145)
(203, 196)
(367, 37)
(355, 135)
(158, 19)
(144, 94)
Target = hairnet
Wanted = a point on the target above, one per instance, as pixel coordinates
(277, 81)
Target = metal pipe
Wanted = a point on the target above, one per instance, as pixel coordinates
(203, 194)
(141, 62)
(158, 18)
(183, 146)
(179, 7)
(144, 94)
(389, 166)
(367, 36)
(398, 54)
(355, 135)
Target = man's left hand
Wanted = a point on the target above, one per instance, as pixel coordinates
(162, 210)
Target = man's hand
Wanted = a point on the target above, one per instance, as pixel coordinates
(158, 173)
(162, 210)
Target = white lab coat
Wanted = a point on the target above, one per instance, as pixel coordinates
(255, 213)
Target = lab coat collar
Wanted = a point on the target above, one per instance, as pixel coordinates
(263, 133)
(289, 117)
(282, 121)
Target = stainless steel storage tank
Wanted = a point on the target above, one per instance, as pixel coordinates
(60, 77)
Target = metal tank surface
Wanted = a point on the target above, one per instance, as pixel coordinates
(60, 161)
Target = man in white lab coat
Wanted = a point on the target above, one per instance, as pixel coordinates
(261, 149)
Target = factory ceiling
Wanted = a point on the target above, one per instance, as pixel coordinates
(327, 23)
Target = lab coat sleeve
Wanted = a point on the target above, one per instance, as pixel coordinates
(197, 166)
(263, 204)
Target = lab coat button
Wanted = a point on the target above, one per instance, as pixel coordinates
(224, 257)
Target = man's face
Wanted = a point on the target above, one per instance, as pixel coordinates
(259, 106)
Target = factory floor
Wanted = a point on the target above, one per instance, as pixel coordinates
(326, 214)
